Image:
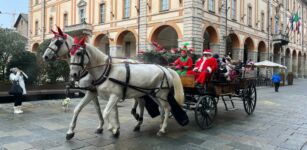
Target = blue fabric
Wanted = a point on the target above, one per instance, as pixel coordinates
(276, 78)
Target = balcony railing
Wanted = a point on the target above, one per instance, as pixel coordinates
(83, 28)
(281, 38)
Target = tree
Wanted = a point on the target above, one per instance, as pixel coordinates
(25, 61)
(54, 69)
(10, 43)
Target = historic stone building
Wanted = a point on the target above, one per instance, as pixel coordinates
(244, 29)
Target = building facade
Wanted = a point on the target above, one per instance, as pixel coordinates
(21, 26)
(244, 29)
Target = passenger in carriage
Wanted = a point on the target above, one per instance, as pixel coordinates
(204, 67)
(184, 63)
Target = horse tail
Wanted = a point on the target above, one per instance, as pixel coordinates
(178, 88)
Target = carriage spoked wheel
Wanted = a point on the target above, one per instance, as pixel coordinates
(205, 111)
(249, 98)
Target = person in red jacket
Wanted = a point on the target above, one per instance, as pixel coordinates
(204, 67)
(184, 63)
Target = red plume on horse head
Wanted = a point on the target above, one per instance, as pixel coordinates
(78, 44)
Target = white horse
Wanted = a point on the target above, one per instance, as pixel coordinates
(59, 47)
(113, 81)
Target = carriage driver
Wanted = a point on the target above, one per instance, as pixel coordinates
(183, 64)
(204, 67)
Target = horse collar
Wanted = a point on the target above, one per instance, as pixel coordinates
(105, 73)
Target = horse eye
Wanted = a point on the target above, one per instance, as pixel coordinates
(78, 53)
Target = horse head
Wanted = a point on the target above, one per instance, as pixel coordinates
(79, 57)
(59, 45)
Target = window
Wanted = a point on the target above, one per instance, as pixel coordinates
(249, 16)
(211, 5)
(164, 5)
(65, 20)
(234, 9)
(262, 21)
(126, 8)
(50, 23)
(276, 25)
(36, 2)
(82, 15)
(102, 12)
(287, 4)
(36, 28)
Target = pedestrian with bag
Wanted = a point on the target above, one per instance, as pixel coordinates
(18, 89)
(276, 80)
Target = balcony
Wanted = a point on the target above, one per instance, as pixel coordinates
(281, 38)
(78, 29)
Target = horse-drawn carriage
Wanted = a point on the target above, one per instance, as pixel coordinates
(204, 100)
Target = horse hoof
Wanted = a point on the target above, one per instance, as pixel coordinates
(137, 117)
(116, 135)
(99, 131)
(137, 129)
(160, 133)
(70, 136)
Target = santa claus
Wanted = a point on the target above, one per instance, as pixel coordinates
(204, 67)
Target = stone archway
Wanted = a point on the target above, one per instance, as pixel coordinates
(249, 48)
(126, 44)
(300, 65)
(166, 36)
(102, 42)
(294, 62)
(262, 54)
(210, 37)
(35, 47)
(233, 46)
(288, 59)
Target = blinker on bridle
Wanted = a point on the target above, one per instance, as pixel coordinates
(58, 43)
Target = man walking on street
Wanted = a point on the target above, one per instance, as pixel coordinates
(276, 80)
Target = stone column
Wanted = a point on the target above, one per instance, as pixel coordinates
(215, 48)
(237, 54)
(116, 50)
(30, 27)
(223, 33)
(252, 55)
(193, 20)
(142, 33)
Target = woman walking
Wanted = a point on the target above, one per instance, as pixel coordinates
(17, 77)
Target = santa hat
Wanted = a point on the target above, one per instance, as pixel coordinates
(207, 51)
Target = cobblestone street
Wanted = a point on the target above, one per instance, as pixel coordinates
(279, 122)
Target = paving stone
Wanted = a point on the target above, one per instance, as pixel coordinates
(17, 146)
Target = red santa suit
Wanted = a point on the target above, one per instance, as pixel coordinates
(204, 67)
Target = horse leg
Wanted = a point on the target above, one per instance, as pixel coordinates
(133, 110)
(106, 114)
(166, 108)
(85, 100)
(140, 119)
(98, 110)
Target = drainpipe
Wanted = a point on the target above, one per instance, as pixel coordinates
(268, 14)
(44, 19)
(139, 19)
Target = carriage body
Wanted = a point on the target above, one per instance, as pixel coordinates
(204, 100)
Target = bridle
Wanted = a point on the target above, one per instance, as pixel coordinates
(82, 54)
(58, 44)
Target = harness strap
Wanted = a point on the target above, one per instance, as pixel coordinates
(127, 80)
(105, 74)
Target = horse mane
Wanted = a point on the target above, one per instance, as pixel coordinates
(95, 54)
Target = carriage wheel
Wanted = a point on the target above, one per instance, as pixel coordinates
(205, 111)
(249, 99)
